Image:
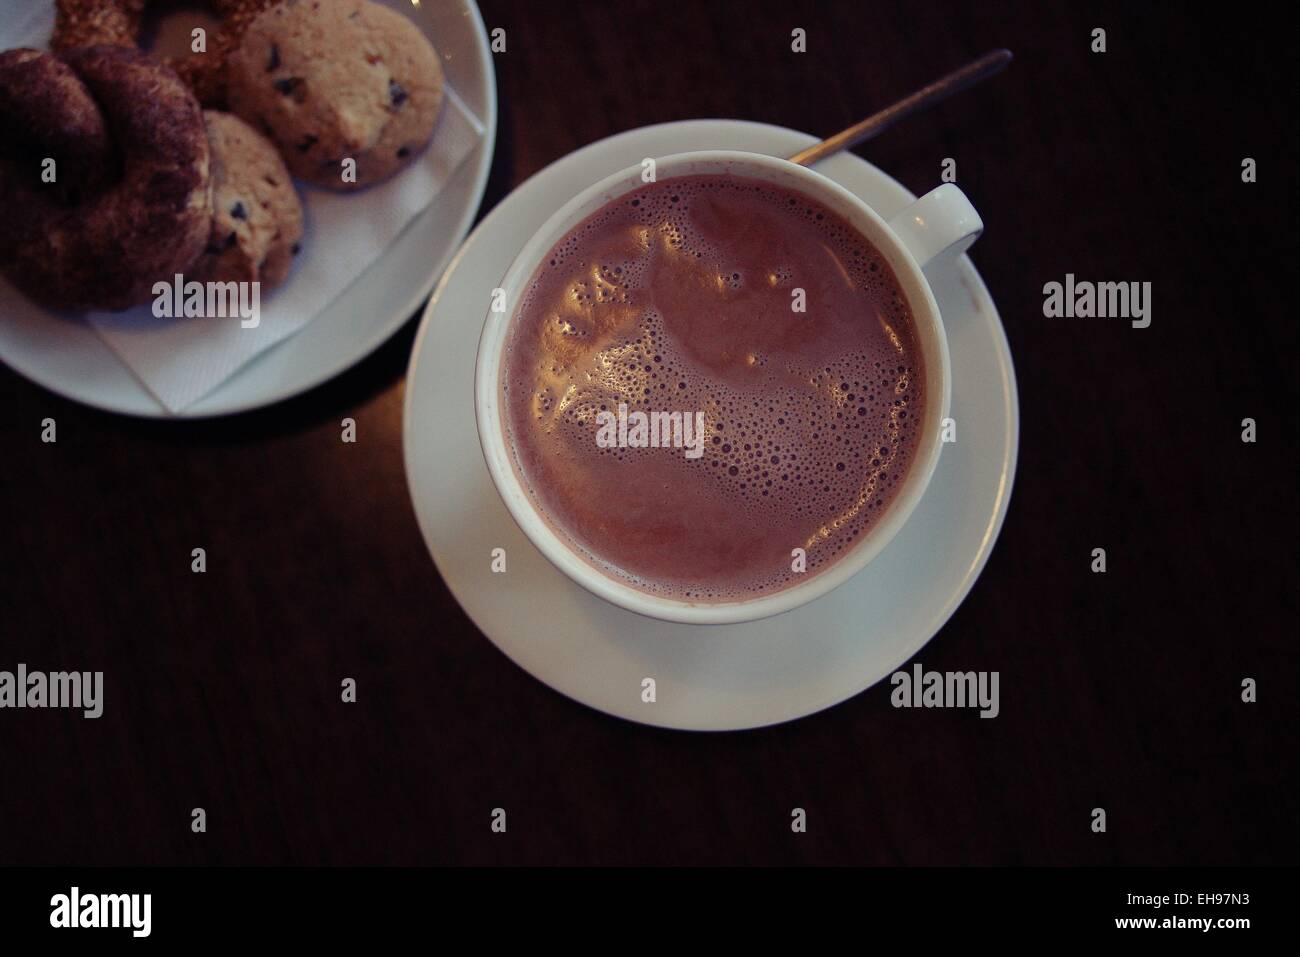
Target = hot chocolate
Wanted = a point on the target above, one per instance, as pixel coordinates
(729, 303)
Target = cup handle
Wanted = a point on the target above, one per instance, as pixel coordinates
(942, 222)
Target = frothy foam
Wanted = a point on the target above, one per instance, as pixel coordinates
(678, 296)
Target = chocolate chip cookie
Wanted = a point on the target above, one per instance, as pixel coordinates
(256, 215)
(348, 90)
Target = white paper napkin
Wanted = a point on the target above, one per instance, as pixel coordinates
(181, 360)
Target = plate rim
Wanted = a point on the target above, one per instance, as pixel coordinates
(198, 410)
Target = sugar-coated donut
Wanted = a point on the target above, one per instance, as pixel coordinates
(104, 167)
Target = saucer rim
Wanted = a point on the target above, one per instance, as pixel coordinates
(933, 621)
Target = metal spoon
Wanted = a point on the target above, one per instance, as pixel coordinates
(942, 88)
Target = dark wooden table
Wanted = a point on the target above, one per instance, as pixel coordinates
(1119, 690)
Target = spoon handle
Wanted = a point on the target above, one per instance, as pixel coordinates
(942, 88)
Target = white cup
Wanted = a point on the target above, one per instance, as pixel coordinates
(941, 222)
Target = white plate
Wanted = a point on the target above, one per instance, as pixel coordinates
(707, 677)
(69, 357)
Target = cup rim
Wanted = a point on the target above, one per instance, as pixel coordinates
(518, 501)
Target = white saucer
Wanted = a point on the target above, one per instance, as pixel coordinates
(707, 677)
(69, 357)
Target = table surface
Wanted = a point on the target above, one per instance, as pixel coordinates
(1119, 691)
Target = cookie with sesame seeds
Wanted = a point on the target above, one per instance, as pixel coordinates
(79, 23)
